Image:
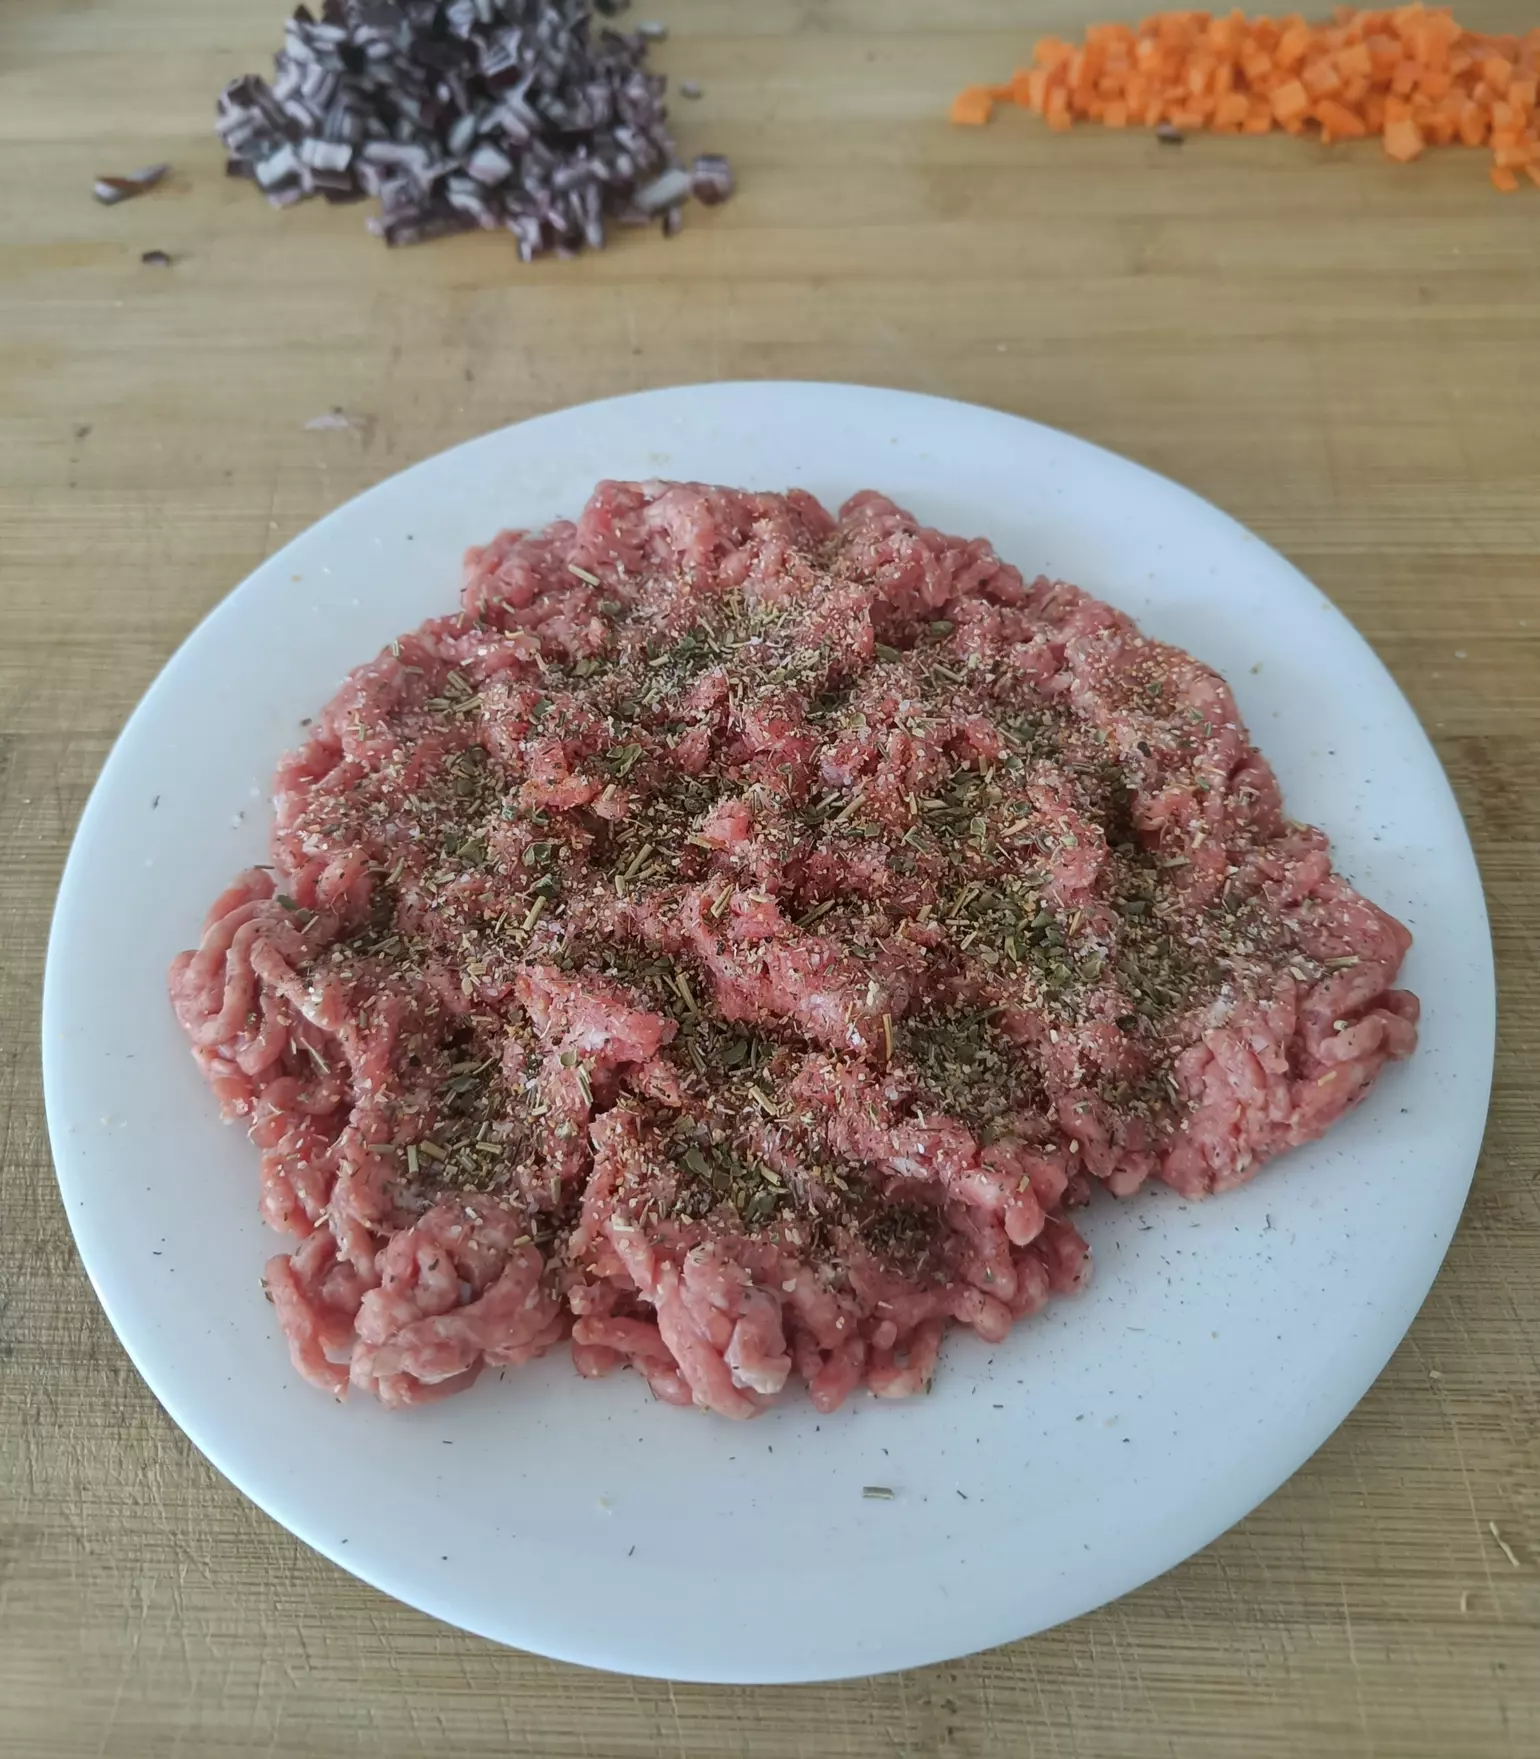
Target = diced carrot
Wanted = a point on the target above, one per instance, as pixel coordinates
(1411, 75)
(1497, 71)
(1406, 19)
(1432, 46)
(1224, 35)
(1403, 140)
(1440, 29)
(1290, 102)
(1293, 46)
(1342, 122)
(1384, 54)
(973, 106)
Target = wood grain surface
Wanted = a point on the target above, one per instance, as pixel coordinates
(1343, 354)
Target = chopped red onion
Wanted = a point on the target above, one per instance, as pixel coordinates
(663, 192)
(711, 179)
(111, 190)
(515, 115)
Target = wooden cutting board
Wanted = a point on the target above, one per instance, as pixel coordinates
(1343, 354)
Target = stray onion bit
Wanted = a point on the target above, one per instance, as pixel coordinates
(711, 179)
(664, 192)
(111, 190)
(877, 1492)
(509, 115)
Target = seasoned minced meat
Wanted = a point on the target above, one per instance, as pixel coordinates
(738, 938)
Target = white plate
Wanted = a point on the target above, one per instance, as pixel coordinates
(1218, 1345)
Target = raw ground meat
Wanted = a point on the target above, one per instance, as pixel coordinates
(738, 938)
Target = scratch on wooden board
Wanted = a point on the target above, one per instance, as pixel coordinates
(1353, 1669)
(1459, 1454)
(673, 1704)
(1503, 1546)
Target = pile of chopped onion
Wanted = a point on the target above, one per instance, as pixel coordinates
(501, 114)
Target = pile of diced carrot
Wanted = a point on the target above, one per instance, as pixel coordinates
(1411, 76)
